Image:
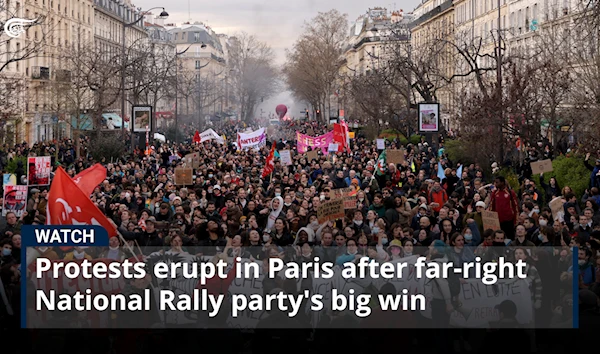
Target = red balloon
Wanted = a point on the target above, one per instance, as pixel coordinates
(281, 110)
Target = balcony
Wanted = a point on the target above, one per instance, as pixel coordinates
(40, 73)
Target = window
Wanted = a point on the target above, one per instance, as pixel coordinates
(198, 64)
(197, 37)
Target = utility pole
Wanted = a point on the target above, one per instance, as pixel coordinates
(499, 87)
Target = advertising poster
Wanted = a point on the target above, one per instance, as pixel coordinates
(429, 117)
(142, 117)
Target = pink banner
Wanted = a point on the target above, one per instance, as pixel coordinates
(305, 141)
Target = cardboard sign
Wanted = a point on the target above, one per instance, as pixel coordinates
(543, 166)
(380, 144)
(556, 205)
(310, 131)
(490, 220)
(330, 210)
(312, 155)
(286, 157)
(351, 135)
(183, 176)
(348, 195)
(395, 156)
(192, 160)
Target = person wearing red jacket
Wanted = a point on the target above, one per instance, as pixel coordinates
(437, 196)
(504, 202)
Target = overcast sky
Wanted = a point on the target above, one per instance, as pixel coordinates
(277, 22)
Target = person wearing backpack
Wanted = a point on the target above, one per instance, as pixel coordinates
(441, 302)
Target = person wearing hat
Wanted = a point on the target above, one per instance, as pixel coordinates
(34, 199)
(475, 215)
(395, 249)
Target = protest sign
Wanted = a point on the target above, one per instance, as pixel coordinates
(303, 142)
(312, 155)
(38, 171)
(15, 200)
(380, 144)
(333, 147)
(395, 156)
(192, 160)
(183, 176)
(346, 194)
(330, 210)
(9, 179)
(490, 220)
(556, 205)
(543, 166)
(351, 135)
(286, 157)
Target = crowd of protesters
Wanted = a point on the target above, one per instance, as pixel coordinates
(401, 210)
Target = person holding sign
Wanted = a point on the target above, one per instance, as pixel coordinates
(504, 202)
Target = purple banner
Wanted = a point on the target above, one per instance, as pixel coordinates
(305, 141)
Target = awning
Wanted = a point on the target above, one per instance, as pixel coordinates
(86, 122)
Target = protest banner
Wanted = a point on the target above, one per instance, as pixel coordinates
(395, 156)
(192, 160)
(15, 200)
(478, 302)
(183, 176)
(252, 140)
(38, 171)
(348, 195)
(380, 144)
(543, 166)
(64, 285)
(303, 142)
(490, 220)
(330, 210)
(209, 135)
(286, 157)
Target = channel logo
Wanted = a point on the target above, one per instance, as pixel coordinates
(15, 26)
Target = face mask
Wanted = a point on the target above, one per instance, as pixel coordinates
(537, 211)
(384, 241)
(407, 254)
(278, 194)
(581, 262)
(6, 251)
(315, 223)
(42, 249)
(498, 244)
(541, 237)
(375, 230)
(543, 222)
(210, 175)
(113, 248)
(395, 251)
(78, 255)
(306, 254)
(287, 204)
(210, 191)
(358, 222)
(468, 237)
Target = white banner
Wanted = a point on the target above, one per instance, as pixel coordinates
(210, 134)
(286, 157)
(252, 140)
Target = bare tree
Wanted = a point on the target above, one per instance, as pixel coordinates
(312, 66)
(254, 75)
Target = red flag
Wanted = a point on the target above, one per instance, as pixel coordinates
(88, 179)
(270, 162)
(68, 205)
(197, 138)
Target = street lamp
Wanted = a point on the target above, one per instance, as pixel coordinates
(177, 91)
(163, 14)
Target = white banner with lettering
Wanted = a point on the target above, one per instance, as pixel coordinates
(252, 140)
(210, 134)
